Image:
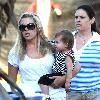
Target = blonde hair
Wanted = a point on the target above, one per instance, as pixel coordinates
(43, 44)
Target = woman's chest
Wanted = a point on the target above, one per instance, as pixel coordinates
(36, 64)
(90, 56)
(80, 43)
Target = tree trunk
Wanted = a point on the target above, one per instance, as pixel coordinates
(3, 94)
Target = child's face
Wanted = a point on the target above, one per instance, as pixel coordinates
(60, 46)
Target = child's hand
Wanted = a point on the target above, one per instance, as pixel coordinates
(67, 86)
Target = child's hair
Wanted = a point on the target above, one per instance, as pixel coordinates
(66, 37)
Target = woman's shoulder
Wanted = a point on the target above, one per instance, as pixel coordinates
(48, 57)
(49, 54)
(96, 35)
(12, 50)
(12, 53)
(12, 57)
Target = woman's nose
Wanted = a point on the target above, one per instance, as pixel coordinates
(78, 19)
(26, 28)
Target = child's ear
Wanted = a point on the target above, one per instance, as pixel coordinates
(66, 45)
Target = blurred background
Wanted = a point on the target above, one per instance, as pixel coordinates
(57, 15)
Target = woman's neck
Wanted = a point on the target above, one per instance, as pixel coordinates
(32, 49)
(82, 37)
(87, 33)
(31, 44)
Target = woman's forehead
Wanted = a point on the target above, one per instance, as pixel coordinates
(81, 12)
(28, 19)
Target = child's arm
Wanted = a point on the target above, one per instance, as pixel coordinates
(76, 69)
(69, 65)
(60, 80)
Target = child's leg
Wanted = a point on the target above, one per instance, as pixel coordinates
(67, 96)
(45, 89)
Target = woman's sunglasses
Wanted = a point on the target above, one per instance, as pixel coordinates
(29, 26)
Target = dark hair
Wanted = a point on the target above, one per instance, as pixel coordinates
(67, 38)
(90, 12)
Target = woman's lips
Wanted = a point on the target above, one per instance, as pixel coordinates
(27, 34)
(78, 25)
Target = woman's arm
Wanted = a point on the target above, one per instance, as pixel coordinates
(60, 80)
(12, 72)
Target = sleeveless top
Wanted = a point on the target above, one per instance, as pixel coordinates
(59, 64)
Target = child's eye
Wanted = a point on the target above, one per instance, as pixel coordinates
(56, 41)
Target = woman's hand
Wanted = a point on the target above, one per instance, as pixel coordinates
(58, 81)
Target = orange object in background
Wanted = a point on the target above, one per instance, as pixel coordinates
(55, 6)
(33, 6)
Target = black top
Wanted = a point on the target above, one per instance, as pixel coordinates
(59, 64)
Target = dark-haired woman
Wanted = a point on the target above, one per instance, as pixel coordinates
(86, 84)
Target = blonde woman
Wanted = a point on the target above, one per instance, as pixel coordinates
(32, 55)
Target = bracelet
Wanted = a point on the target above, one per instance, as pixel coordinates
(68, 82)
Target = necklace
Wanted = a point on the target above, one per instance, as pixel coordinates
(83, 39)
